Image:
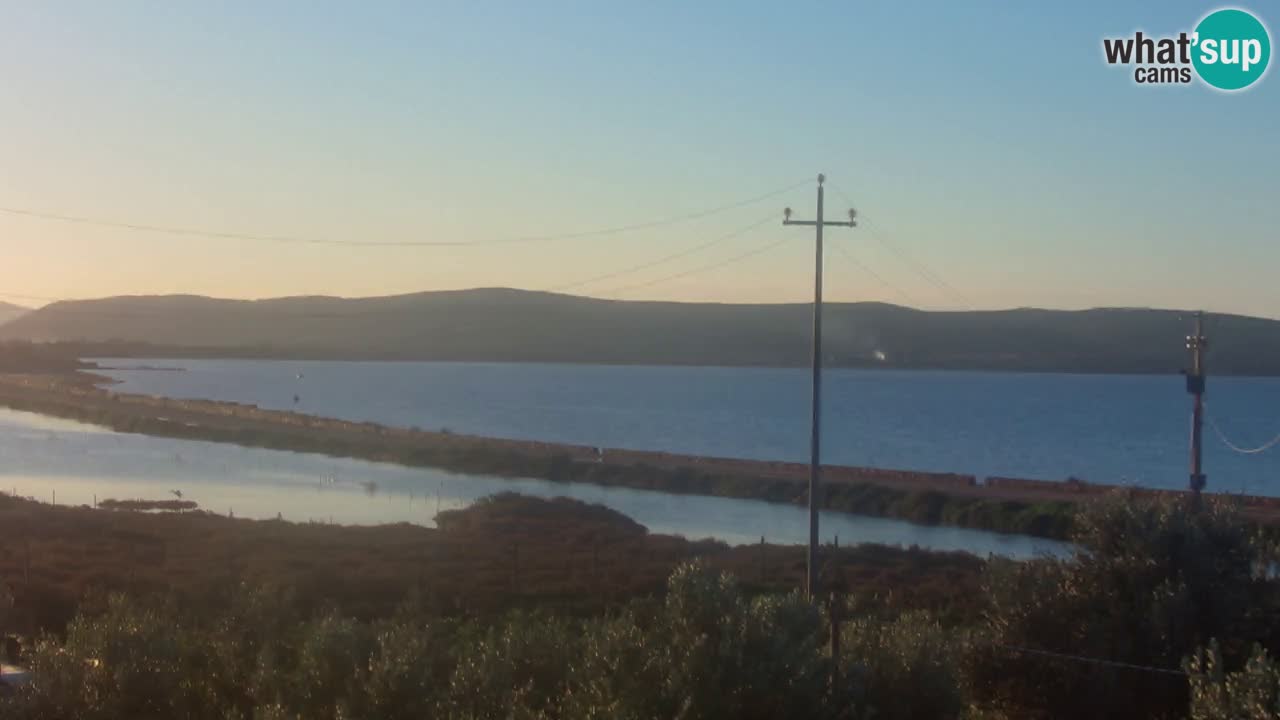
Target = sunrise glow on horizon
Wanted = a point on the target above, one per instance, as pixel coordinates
(995, 149)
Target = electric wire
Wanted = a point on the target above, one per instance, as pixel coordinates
(1236, 448)
(217, 234)
(919, 267)
(851, 258)
(1090, 660)
(703, 268)
(665, 259)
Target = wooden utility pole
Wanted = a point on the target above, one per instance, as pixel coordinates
(1195, 386)
(815, 433)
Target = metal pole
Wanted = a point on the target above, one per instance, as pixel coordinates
(815, 437)
(815, 427)
(1195, 385)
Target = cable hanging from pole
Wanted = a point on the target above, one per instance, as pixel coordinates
(853, 260)
(1236, 448)
(1086, 659)
(704, 268)
(665, 259)
(617, 290)
(216, 234)
(919, 267)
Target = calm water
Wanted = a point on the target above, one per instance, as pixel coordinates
(45, 457)
(1105, 428)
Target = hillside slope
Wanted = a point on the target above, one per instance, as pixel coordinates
(521, 326)
(10, 312)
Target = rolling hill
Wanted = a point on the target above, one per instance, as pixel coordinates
(523, 326)
(10, 312)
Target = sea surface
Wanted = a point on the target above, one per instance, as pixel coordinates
(71, 463)
(1119, 429)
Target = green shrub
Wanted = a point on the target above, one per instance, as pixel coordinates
(131, 661)
(903, 669)
(1251, 693)
(1152, 580)
(706, 653)
(518, 669)
(408, 671)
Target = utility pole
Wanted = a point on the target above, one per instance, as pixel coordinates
(815, 433)
(1195, 385)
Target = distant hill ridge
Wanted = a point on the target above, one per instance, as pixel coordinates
(9, 311)
(498, 324)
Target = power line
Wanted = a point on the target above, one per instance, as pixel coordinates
(918, 266)
(1089, 660)
(625, 271)
(703, 268)
(238, 305)
(104, 312)
(668, 258)
(875, 275)
(1236, 448)
(216, 234)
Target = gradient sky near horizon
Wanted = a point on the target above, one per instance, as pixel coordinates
(987, 141)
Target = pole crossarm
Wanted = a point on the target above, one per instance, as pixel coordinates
(825, 223)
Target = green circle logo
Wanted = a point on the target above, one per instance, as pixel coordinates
(1232, 49)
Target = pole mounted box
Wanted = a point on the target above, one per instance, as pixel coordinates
(1195, 384)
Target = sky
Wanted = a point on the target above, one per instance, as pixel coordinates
(996, 159)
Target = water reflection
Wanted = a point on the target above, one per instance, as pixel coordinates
(82, 464)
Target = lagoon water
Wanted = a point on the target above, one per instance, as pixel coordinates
(73, 463)
(1122, 429)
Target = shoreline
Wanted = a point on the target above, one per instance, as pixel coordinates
(163, 353)
(1008, 505)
